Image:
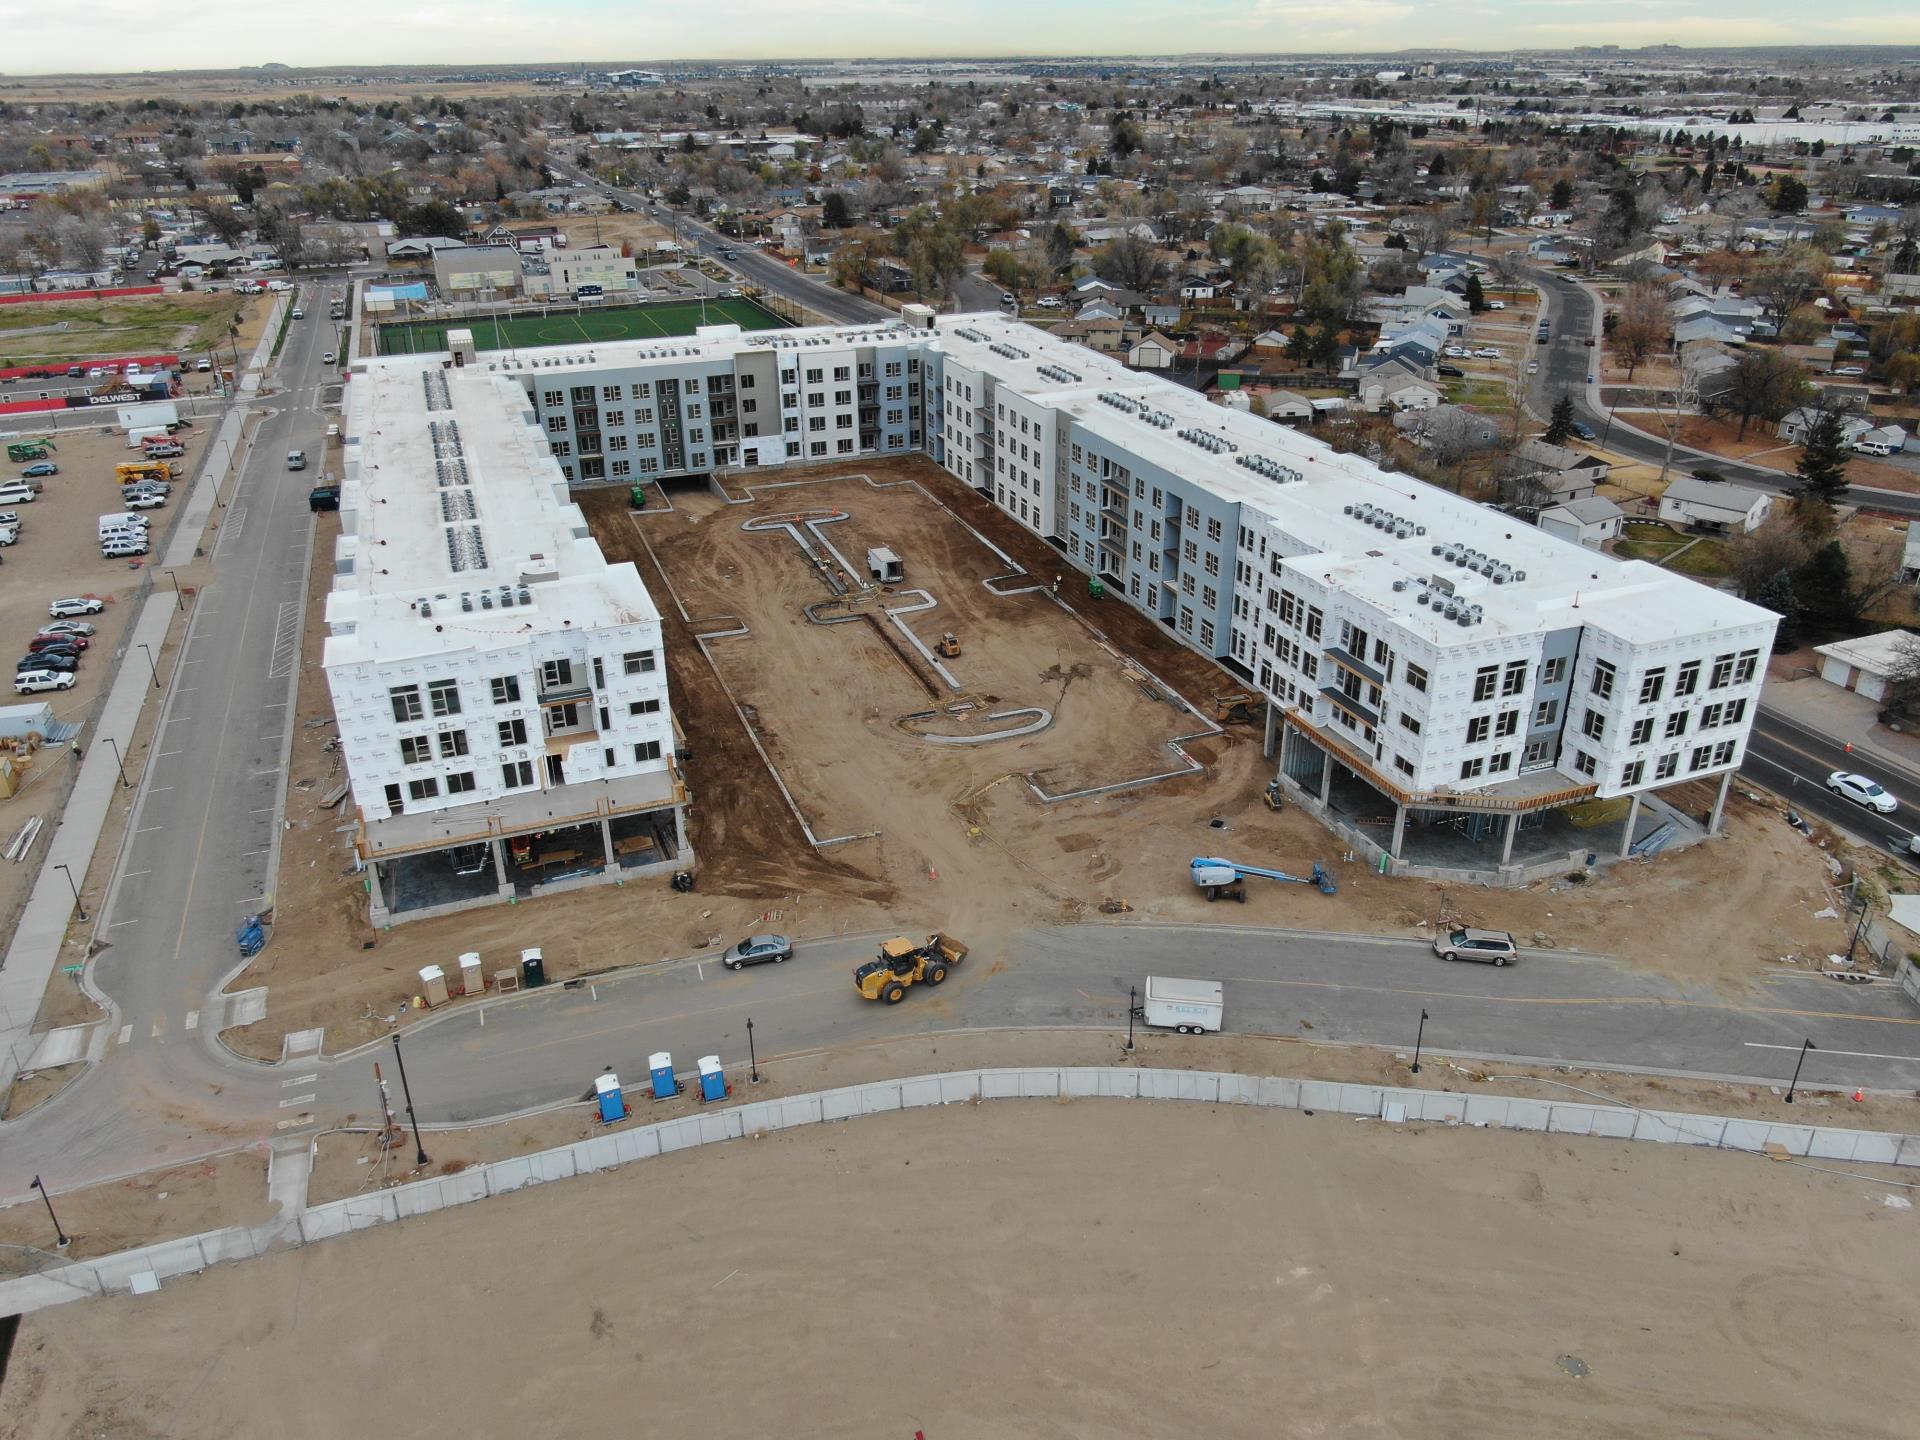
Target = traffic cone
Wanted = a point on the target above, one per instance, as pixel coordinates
(1849, 747)
(1859, 1095)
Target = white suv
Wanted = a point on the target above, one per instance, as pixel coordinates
(1496, 947)
(29, 682)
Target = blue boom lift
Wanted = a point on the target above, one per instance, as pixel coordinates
(1227, 879)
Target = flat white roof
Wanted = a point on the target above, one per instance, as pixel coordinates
(1544, 582)
(1876, 654)
(457, 507)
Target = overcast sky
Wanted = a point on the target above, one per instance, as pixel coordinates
(117, 35)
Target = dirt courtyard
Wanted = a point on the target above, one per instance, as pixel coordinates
(849, 707)
(965, 844)
(1093, 1268)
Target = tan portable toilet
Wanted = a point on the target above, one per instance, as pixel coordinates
(471, 982)
(433, 985)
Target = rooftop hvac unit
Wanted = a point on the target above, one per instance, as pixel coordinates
(1438, 549)
(1419, 529)
(1452, 608)
(1426, 597)
(466, 600)
(486, 599)
(1519, 575)
(525, 595)
(1399, 585)
(1346, 510)
(426, 609)
(1464, 621)
(1499, 578)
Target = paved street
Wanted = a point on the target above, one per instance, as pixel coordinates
(1793, 761)
(200, 850)
(1553, 1007)
(753, 264)
(1567, 362)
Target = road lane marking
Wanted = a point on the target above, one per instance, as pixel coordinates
(159, 1027)
(118, 923)
(135, 874)
(126, 1034)
(1659, 1000)
(296, 1100)
(193, 1020)
(158, 789)
(168, 754)
(299, 1080)
(149, 829)
(1821, 1050)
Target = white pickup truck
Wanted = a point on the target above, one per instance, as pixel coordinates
(1191, 1007)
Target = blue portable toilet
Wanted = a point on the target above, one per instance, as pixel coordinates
(713, 1080)
(613, 1105)
(660, 1066)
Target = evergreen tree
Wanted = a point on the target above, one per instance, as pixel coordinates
(1823, 459)
(1476, 297)
(1560, 427)
(1777, 594)
(1823, 587)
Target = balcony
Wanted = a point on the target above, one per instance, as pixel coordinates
(563, 692)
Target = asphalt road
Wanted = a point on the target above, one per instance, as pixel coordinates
(1794, 761)
(752, 264)
(1567, 362)
(518, 1053)
(201, 847)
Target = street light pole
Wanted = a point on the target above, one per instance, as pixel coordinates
(419, 1150)
(124, 782)
(75, 888)
(65, 1239)
(1795, 1083)
(1419, 1036)
(152, 669)
(1866, 911)
(1133, 1009)
(179, 600)
(753, 1060)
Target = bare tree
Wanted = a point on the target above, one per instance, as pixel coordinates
(1784, 284)
(1644, 324)
(1764, 384)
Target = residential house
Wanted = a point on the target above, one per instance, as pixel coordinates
(1286, 406)
(1164, 317)
(1795, 425)
(1202, 287)
(1392, 387)
(1563, 474)
(1590, 522)
(1866, 665)
(1153, 351)
(1716, 506)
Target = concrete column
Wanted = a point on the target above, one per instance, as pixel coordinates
(1399, 830)
(1506, 844)
(1633, 818)
(606, 840)
(1719, 804)
(502, 884)
(1326, 778)
(1273, 717)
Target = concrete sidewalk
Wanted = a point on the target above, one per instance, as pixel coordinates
(34, 949)
(1845, 717)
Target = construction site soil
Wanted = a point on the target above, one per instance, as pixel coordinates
(965, 844)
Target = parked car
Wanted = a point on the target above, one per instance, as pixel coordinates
(1862, 791)
(47, 467)
(323, 497)
(75, 605)
(758, 950)
(298, 313)
(146, 500)
(67, 627)
(9, 534)
(31, 682)
(75, 643)
(65, 663)
(122, 547)
(1453, 372)
(18, 493)
(1487, 352)
(1582, 429)
(1849, 370)
(327, 359)
(296, 460)
(1496, 304)
(1457, 351)
(9, 517)
(1495, 947)
(1588, 342)
(1533, 367)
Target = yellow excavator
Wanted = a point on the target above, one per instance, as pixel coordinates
(903, 962)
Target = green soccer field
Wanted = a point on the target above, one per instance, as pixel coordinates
(574, 327)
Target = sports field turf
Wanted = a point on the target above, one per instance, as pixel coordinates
(573, 327)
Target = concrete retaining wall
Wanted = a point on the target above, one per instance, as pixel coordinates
(114, 1273)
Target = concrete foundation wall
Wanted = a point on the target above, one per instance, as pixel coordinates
(114, 1273)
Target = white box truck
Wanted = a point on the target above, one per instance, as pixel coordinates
(1192, 1007)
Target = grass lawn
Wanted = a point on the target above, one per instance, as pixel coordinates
(1708, 559)
(1483, 394)
(574, 327)
(86, 330)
